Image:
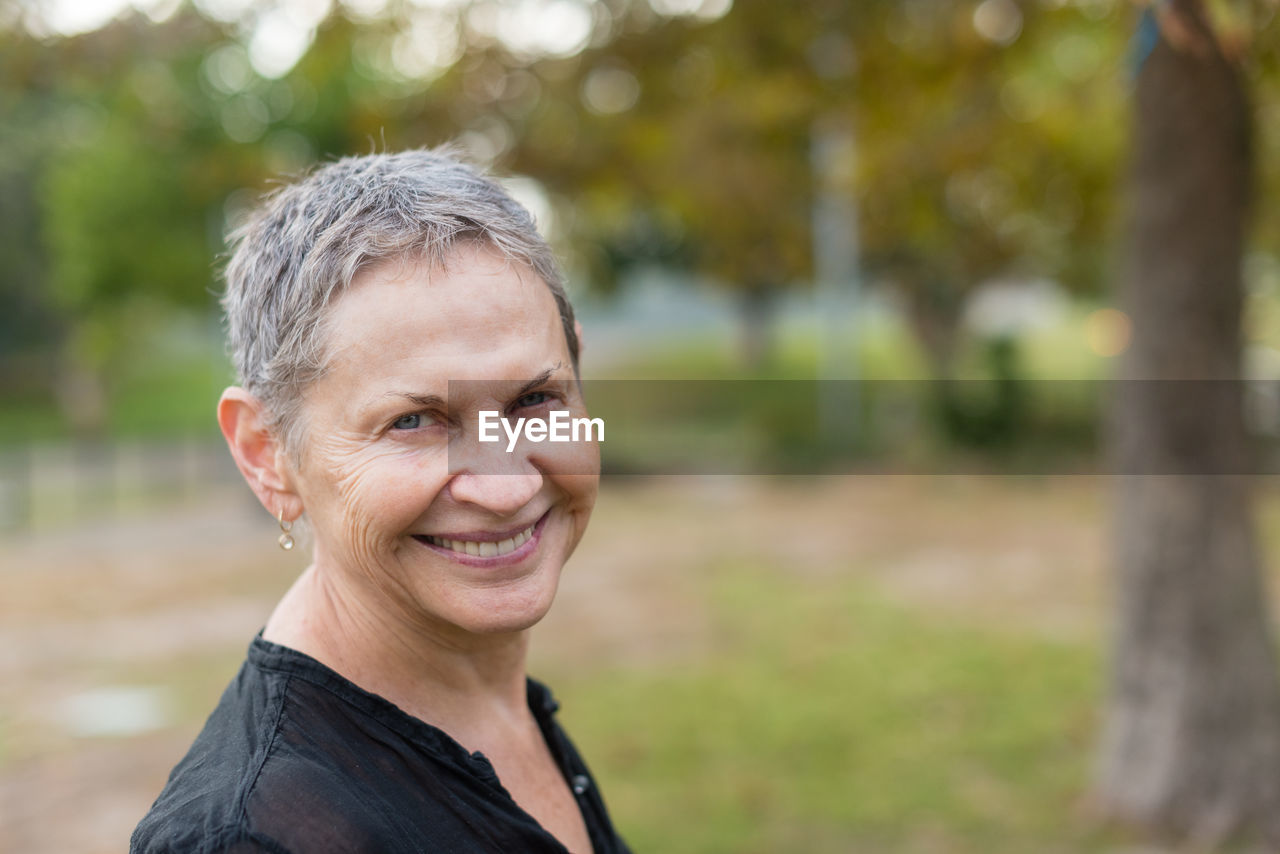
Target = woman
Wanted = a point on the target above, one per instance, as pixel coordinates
(375, 309)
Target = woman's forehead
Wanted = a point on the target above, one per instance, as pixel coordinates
(479, 302)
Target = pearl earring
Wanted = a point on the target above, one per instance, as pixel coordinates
(286, 538)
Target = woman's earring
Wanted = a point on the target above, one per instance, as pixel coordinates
(286, 538)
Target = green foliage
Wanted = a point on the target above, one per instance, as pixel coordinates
(162, 391)
(173, 398)
(29, 320)
(982, 158)
(974, 157)
(121, 227)
(980, 149)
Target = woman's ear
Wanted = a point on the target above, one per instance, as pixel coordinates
(258, 453)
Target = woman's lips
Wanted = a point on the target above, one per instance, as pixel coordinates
(483, 548)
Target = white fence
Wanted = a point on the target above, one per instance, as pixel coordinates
(46, 485)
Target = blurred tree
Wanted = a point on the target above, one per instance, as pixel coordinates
(30, 319)
(990, 142)
(120, 195)
(685, 143)
(1192, 739)
(986, 141)
(679, 139)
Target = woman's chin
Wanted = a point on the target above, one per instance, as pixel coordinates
(504, 623)
(505, 611)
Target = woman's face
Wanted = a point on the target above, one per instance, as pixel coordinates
(439, 544)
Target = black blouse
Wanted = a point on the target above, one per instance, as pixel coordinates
(298, 759)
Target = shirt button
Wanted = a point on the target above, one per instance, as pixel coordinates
(580, 783)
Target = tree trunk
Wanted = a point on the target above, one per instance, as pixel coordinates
(934, 314)
(81, 393)
(757, 306)
(1191, 746)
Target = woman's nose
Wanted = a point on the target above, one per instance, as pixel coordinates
(500, 494)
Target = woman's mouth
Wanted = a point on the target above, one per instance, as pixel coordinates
(485, 548)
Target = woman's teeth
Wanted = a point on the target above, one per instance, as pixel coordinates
(487, 549)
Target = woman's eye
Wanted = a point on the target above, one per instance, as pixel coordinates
(533, 398)
(407, 422)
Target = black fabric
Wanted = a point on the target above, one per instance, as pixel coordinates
(297, 759)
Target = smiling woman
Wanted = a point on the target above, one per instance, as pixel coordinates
(375, 309)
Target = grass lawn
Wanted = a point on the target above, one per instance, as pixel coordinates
(825, 718)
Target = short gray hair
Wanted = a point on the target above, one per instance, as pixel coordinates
(306, 241)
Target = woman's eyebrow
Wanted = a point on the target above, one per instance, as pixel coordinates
(424, 400)
(435, 400)
(539, 379)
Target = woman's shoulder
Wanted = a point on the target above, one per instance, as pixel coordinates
(201, 808)
(264, 756)
(296, 758)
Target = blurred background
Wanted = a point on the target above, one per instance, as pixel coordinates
(905, 649)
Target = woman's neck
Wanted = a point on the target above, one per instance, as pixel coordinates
(453, 679)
